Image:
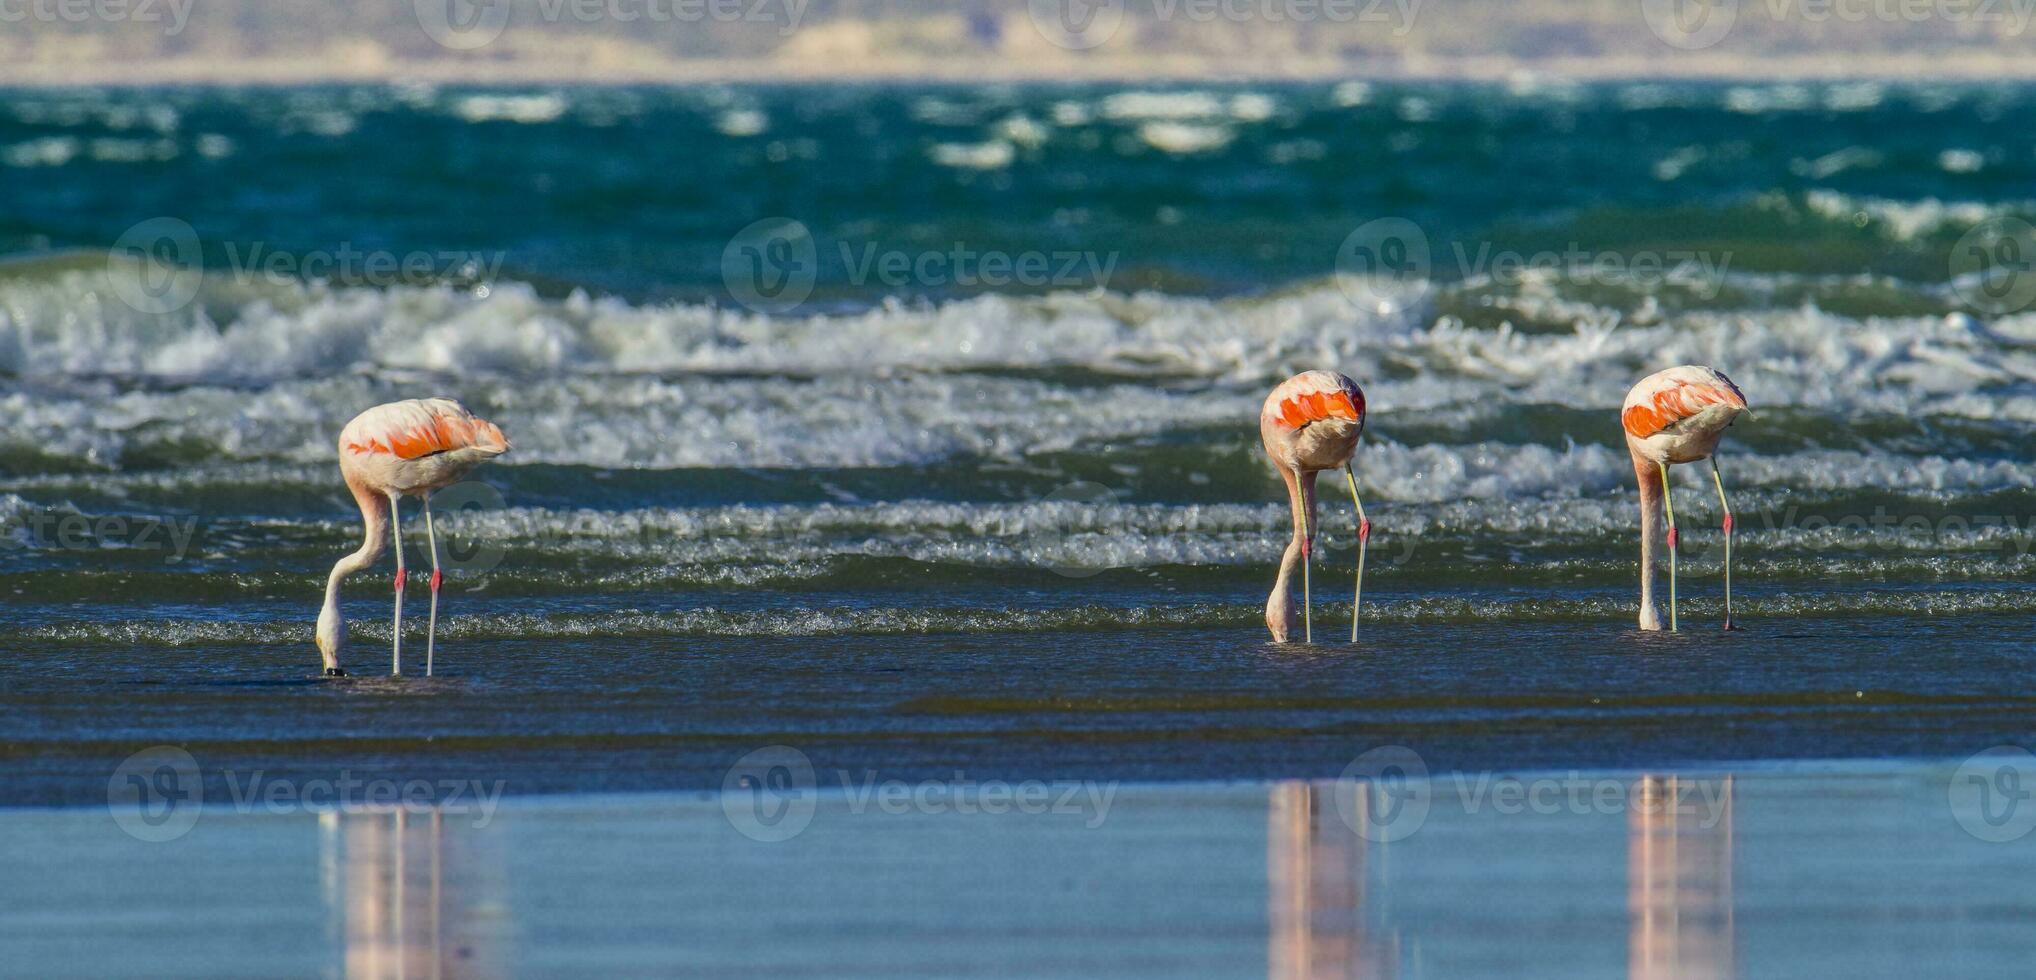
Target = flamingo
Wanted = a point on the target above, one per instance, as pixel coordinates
(1677, 416)
(1311, 423)
(406, 448)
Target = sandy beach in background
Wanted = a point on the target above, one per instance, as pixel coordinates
(1638, 66)
(667, 41)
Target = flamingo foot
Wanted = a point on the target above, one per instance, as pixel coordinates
(335, 672)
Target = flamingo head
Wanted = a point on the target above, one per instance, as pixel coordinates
(331, 635)
(1279, 614)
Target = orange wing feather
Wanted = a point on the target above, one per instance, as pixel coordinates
(1315, 406)
(439, 432)
(1673, 403)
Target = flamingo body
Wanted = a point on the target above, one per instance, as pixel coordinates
(414, 447)
(1311, 422)
(406, 448)
(1676, 416)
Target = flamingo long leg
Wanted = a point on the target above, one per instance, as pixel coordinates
(431, 625)
(1668, 504)
(1363, 538)
(1719, 479)
(396, 530)
(1307, 563)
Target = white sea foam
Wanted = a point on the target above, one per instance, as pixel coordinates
(1186, 138)
(607, 383)
(510, 108)
(1905, 220)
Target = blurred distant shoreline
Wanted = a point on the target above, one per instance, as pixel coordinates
(283, 42)
(298, 71)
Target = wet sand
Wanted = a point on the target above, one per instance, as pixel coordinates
(1852, 869)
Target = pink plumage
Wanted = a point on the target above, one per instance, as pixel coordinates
(406, 448)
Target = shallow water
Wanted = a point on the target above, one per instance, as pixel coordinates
(1813, 870)
(1115, 701)
(940, 530)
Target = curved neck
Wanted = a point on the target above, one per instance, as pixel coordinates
(374, 536)
(1648, 473)
(1301, 501)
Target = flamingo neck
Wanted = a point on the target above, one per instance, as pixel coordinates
(374, 535)
(1279, 607)
(1648, 473)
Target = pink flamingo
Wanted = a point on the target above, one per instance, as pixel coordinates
(387, 452)
(1677, 416)
(1311, 423)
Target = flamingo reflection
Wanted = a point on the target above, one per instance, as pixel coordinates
(1679, 880)
(408, 900)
